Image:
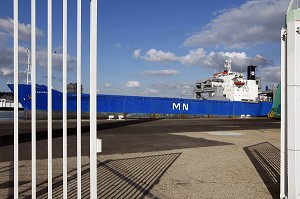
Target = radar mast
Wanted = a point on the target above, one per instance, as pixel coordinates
(28, 68)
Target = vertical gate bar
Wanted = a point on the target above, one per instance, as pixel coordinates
(65, 155)
(79, 99)
(93, 99)
(283, 152)
(49, 99)
(16, 101)
(33, 97)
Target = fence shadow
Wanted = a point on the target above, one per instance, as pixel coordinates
(121, 178)
(266, 159)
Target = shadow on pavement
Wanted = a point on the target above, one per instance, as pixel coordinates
(266, 159)
(121, 178)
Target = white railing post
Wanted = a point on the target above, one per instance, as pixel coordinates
(16, 101)
(283, 153)
(65, 64)
(93, 99)
(49, 99)
(33, 96)
(79, 99)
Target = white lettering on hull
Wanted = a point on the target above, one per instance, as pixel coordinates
(185, 107)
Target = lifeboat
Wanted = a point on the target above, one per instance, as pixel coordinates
(221, 73)
(239, 83)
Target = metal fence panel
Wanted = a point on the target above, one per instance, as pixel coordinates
(31, 94)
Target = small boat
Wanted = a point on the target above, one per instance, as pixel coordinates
(238, 83)
(8, 105)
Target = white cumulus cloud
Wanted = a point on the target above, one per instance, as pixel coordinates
(150, 91)
(137, 53)
(270, 75)
(161, 72)
(57, 59)
(154, 55)
(3, 37)
(133, 84)
(170, 85)
(6, 72)
(187, 94)
(200, 57)
(7, 25)
(254, 22)
(108, 85)
(7, 58)
(118, 45)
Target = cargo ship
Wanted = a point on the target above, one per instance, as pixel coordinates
(141, 105)
(218, 104)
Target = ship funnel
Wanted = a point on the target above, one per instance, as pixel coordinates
(251, 72)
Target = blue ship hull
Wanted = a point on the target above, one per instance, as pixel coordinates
(141, 105)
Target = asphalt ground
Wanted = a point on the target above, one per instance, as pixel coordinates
(167, 158)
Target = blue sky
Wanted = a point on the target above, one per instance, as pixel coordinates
(151, 48)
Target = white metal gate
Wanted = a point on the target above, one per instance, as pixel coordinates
(93, 98)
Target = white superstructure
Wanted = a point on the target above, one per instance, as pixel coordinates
(227, 85)
(4, 103)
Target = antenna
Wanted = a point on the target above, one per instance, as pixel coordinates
(228, 64)
(28, 67)
(241, 65)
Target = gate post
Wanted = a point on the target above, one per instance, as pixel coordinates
(293, 100)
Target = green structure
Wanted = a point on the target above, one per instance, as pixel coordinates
(276, 108)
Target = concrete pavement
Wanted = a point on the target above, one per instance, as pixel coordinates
(189, 158)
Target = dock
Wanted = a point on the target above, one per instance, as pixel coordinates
(146, 158)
